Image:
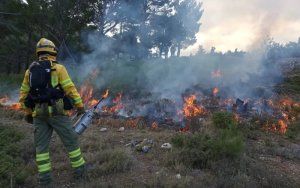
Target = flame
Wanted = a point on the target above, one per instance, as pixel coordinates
(117, 105)
(15, 106)
(105, 94)
(86, 93)
(86, 90)
(190, 108)
(5, 101)
(215, 91)
(92, 102)
(282, 126)
(184, 129)
(154, 125)
(133, 122)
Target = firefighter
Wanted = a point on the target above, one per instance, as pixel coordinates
(46, 94)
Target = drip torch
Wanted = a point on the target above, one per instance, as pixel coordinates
(85, 120)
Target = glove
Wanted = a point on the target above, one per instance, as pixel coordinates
(29, 118)
(80, 111)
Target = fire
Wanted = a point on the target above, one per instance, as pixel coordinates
(215, 91)
(284, 111)
(92, 102)
(5, 101)
(105, 94)
(117, 105)
(282, 126)
(154, 125)
(15, 106)
(86, 93)
(190, 108)
(86, 90)
(133, 122)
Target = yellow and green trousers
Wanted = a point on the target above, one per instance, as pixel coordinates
(44, 127)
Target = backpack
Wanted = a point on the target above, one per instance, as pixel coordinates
(40, 76)
(41, 90)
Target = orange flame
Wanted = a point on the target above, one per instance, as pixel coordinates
(15, 106)
(154, 125)
(5, 101)
(282, 126)
(105, 94)
(117, 105)
(190, 108)
(133, 122)
(184, 129)
(215, 91)
(86, 93)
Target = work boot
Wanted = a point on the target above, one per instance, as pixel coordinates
(45, 179)
(80, 172)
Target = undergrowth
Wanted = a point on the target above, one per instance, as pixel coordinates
(13, 169)
(200, 150)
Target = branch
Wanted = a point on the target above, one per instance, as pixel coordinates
(9, 13)
(110, 28)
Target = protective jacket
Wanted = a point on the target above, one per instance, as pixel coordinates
(59, 76)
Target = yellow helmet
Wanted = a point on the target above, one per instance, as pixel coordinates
(46, 46)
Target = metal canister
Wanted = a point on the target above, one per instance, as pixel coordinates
(83, 122)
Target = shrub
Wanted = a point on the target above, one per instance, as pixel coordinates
(200, 150)
(229, 143)
(111, 161)
(293, 130)
(12, 165)
(224, 120)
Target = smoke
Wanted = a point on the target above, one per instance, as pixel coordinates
(156, 79)
(118, 67)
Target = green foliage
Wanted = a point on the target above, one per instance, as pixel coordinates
(144, 26)
(293, 130)
(9, 83)
(224, 120)
(200, 150)
(229, 142)
(11, 164)
(193, 151)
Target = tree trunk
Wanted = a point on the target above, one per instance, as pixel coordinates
(28, 50)
(178, 49)
(160, 51)
(19, 63)
(8, 66)
(101, 8)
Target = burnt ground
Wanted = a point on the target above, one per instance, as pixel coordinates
(269, 159)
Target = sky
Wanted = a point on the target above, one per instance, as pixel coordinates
(244, 24)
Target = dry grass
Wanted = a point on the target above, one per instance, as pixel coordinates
(112, 164)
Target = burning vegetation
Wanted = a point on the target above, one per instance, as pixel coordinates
(270, 114)
(244, 129)
(273, 113)
(11, 104)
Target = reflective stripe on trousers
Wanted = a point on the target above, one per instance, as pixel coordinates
(76, 158)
